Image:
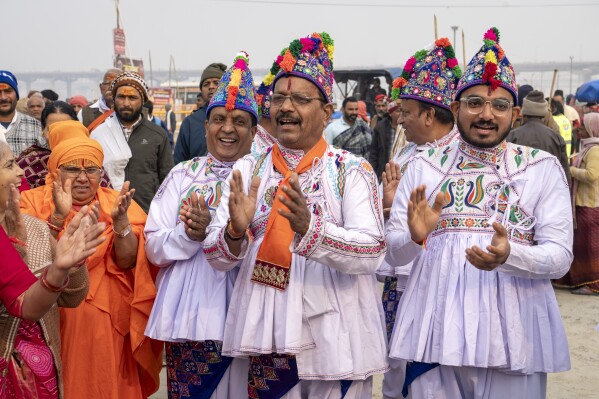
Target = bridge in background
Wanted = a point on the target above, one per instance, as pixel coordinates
(86, 82)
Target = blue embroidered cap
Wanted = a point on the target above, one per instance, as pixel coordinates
(490, 67)
(236, 88)
(430, 75)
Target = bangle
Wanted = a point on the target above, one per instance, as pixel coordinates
(15, 240)
(125, 232)
(57, 218)
(230, 236)
(53, 226)
(50, 287)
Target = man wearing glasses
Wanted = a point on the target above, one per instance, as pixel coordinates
(305, 306)
(487, 224)
(93, 115)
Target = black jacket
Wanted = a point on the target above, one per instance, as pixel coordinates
(380, 148)
(533, 133)
(191, 141)
(150, 162)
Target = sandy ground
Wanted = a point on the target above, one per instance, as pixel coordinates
(581, 318)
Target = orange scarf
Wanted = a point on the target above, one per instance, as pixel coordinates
(274, 257)
(99, 120)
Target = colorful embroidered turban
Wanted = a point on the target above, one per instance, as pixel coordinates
(131, 79)
(490, 67)
(310, 58)
(264, 92)
(236, 88)
(430, 75)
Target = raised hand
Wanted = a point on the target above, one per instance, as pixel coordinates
(423, 218)
(79, 241)
(241, 206)
(15, 226)
(196, 218)
(390, 179)
(499, 251)
(298, 214)
(118, 212)
(61, 196)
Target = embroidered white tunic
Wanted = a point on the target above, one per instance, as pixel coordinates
(329, 316)
(403, 158)
(192, 299)
(262, 142)
(457, 315)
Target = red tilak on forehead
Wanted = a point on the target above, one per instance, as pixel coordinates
(82, 164)
(289, 85)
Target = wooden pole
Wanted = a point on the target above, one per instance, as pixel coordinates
(552, 84)
(151, 78)
(436, 31)
(464, 48)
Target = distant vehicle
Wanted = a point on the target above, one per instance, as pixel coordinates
(355, 82)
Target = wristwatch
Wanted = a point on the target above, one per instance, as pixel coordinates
(125, 232)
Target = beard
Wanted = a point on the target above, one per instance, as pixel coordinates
(478, 143)
(13, 106)
(128, 118)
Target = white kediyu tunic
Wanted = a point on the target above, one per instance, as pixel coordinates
(330, 316)
(457, 315)
(192, 299)
(403, 159)
(263, 141)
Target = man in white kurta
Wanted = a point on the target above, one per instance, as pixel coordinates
(428, 123)
(316, 332)
(192, 300)
(487, 225)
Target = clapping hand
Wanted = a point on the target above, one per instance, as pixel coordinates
(390, 179)
(15, 226)
(61, 196)
(298, 214)
(120, 220)
(196, 218)
(423, 218)
(499, 250)
(79, 241)
(241, 206)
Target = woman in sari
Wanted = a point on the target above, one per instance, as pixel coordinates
(30, 365)
(104, 351)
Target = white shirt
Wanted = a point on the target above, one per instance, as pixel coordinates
(330, 316)
(455, 314)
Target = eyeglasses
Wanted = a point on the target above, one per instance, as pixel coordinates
(73, 172)
(297, 99)
(475, 105)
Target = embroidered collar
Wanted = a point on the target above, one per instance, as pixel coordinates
(442, 142)
(292, 156)
(487, 155)
(219, 168)
(265, 136)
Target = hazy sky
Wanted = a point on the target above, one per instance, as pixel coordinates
(71, 35)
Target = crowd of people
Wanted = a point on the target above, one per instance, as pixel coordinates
(252, 252)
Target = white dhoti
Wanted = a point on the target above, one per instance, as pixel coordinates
(446, 382)
(310, 389)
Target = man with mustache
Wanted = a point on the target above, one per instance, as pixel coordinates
(487, 224)
(191, 141)
(349, 132)
(305, 306)
(135, 149)
(20, 131)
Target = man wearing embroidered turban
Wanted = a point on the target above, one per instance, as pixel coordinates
(487, 225)
(304, 307)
